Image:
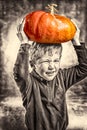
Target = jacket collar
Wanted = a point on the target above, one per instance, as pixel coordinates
(38, 77)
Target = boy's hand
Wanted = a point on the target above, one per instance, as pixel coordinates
(21, 34)
(76, 39)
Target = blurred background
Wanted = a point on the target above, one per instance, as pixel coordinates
(11, 109)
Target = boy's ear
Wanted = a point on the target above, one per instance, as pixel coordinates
(32, 64)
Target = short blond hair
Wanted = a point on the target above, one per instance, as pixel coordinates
(37, 50)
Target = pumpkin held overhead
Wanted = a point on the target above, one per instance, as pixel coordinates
(45, 27)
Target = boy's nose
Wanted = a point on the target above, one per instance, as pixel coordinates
(51, 66)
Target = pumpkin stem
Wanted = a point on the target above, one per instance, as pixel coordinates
(52, 8)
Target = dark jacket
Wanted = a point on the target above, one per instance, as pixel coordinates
(45, 101)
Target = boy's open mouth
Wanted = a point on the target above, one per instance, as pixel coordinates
(50, 73)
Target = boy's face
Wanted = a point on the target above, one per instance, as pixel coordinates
(48, 65)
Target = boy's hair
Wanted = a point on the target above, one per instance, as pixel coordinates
(37, 50)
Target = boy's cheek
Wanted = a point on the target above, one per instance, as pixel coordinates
(42, 70)
(43, 67)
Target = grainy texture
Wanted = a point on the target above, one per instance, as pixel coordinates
(11, 110)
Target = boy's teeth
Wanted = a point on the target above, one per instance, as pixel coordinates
(50, 72)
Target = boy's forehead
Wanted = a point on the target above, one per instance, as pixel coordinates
(54, 51)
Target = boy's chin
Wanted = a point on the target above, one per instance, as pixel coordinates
(49, 78)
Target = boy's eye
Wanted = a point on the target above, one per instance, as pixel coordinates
(56, 60)
(48, 61)
(45, 61)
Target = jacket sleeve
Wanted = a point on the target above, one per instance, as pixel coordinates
(78, 72)
(20, 70)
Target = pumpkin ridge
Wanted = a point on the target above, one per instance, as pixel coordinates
(37, 21)
(43, 31)
(37, 33)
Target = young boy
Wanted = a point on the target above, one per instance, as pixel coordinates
(43, 90)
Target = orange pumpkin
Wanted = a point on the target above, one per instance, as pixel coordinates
(44, 27)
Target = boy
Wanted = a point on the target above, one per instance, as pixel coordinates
(43, 90)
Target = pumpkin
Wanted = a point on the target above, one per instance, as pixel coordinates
(44, 27)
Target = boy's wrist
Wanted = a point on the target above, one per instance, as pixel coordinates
(24, 48)
(76, 42)
(27, 43)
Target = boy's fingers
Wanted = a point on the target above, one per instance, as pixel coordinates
(77, 29)
(75, 22)
(21, 34)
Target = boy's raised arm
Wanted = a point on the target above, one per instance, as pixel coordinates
(78, 72)
(21, 64)
(20, 70)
